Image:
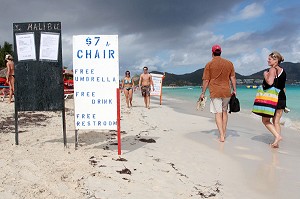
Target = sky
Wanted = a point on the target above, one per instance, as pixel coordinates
(173, 36)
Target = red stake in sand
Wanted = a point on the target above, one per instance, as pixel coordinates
(118, 121)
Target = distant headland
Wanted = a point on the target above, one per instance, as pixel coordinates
(195, 78)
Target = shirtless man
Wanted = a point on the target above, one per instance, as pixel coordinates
(145, 85)
(10, 77)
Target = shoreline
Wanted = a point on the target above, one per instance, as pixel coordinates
(286, 120)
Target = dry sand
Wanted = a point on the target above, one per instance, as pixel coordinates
(168, 152)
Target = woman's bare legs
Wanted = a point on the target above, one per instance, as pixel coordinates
(11, 87)
(130, 92)
(276, 121)
(271, 127)
(126, 92)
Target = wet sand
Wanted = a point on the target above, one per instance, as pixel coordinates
(272, 173)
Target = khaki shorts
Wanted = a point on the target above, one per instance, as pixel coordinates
(219, 105)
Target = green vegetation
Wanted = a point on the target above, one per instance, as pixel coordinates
(4, 50)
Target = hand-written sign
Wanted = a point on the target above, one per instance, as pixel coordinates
(96, 78)
(37, 26)
(157, 82)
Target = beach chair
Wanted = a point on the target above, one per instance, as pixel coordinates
(68, 93)
(3, 88)
(3, 92)
(68, 88)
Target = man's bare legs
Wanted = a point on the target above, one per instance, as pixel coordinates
(271, 127)
(220, 121)
(147, 101)
(224, 119)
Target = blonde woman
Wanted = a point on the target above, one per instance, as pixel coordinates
(275, 76)
(128, 86)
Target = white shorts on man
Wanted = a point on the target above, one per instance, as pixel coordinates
(219, 105)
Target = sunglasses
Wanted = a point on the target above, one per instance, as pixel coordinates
(127, 73)
(273, 56)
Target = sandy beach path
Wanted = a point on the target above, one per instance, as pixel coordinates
(165, 154)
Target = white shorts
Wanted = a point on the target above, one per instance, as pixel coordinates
(219, 105)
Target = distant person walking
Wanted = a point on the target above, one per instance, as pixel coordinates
(128, 86)
(275, 76)
(10, 76)
(145, 85)
(217, 75)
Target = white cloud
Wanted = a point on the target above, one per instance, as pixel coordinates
(250, 11)
(150, 62)
(252, 62)
(265, 53)
(247, 62)
(293, 53)
(239, 36)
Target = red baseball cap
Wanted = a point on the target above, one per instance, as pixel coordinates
(216, 47)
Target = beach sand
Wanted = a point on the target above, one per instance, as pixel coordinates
(170, 151)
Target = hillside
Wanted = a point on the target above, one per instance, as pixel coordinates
(292, 70)
(195, 78)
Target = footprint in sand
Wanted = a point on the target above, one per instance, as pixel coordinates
(249, 157)
(242, 148)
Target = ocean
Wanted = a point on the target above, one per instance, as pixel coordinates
(246, 97)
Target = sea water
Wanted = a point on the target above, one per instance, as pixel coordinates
(246, 97)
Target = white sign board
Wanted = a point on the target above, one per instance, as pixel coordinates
(49, 46)
(96, 78)
(25, 46)
(157, 82)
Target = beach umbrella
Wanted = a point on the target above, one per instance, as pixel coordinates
(2, 80)
(69, 83)
(3, 72)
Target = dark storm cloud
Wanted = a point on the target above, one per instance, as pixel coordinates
(122, 16)
(135, 16)
(158, 25)
(158, 33)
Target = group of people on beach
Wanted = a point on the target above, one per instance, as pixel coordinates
(145, 84)
(219, 77)
(220, 72)
(10, 78)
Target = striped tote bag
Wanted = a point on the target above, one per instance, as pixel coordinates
(265, 102)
